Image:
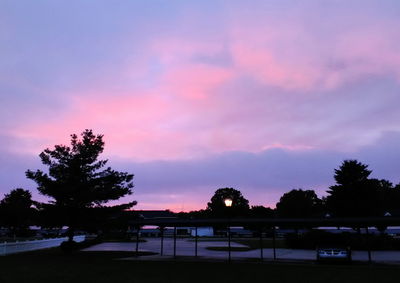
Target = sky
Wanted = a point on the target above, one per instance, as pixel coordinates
(192, 96)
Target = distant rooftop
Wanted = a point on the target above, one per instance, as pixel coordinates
(149, 214)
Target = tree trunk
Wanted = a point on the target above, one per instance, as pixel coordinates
(14, 233)
(70, 234)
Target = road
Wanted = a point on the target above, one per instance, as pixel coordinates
(186, 247)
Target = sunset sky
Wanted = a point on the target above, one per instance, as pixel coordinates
(191, 96)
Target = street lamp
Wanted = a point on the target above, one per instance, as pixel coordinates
(228, 203)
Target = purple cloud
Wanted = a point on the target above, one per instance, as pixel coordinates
(193, 96)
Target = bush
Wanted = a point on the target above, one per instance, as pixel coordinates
(71, 246)
(114, 235)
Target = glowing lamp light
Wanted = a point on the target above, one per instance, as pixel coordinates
(228, 202)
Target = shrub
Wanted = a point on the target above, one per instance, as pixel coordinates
(71, 246)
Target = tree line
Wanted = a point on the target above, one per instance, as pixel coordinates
(355, 194)
(80, 185)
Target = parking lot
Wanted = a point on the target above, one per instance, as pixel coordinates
(186, 247)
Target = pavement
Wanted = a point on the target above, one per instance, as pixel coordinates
(186, 248)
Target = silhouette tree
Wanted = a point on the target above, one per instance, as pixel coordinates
(351, 172)
(392, 198)
(194, 214)
(17, 211)
(355, 195)
(259, 211)
(50, 216)
(78, 183)
(217, 208)
(299, 204)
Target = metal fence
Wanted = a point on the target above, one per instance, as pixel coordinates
(24, 246)
(259, 224)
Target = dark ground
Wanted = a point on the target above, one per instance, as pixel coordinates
(54, 266)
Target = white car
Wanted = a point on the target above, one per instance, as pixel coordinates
(333, 253)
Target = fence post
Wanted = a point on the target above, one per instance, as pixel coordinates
(368, 246)
(261, 245)
(273, 241)
(174, 241)
(162, 240)
(195, 241)
(229, 243)
(137, 240)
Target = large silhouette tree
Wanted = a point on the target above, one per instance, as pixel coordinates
(299, 203)
(17, 210)
(355, 195)
(351, 172)
(217, 208)
(79, 183)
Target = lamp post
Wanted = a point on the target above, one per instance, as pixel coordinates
(228, 204)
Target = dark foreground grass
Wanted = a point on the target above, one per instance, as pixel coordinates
(98, 267)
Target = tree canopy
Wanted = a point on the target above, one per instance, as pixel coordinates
(355, 195)
(351, 172)
(77, 181)
(217, 207)
(259, 211)
(17, 210)
(299, 203)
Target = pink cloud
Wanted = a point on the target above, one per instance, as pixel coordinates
(180, 98)
(196, 81)
(295, 55)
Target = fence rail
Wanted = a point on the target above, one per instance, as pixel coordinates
(24, 246)
(270, 223)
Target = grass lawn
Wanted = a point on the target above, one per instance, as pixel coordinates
(53, 266)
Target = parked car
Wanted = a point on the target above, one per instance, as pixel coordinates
(330, 253)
